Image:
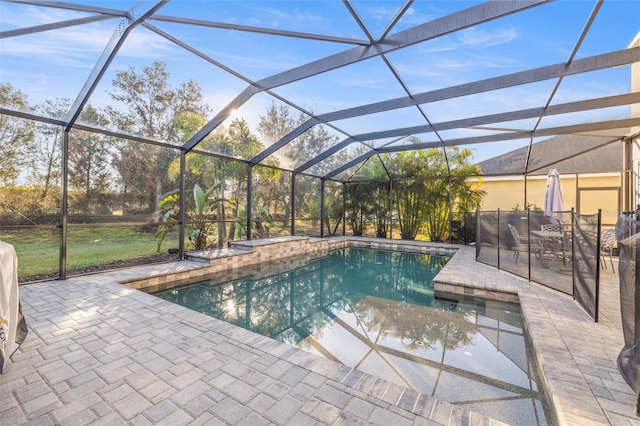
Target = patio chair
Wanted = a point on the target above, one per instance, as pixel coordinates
(557, 246)
(524, 243)
(551, 227)
(607, 241)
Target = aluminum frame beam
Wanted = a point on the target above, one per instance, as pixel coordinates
(53, 26)
(574, 52)
(590, 104)
(285, 140)
(73, 6)
(592, 63)
(257, 30)
(551, 131)
(456, 21)
(499, 137)
(109, 53)
(221, 66)
(460, 20)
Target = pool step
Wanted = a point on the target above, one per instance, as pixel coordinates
(210, 255)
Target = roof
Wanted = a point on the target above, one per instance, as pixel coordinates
(599, 155)
(377, 75)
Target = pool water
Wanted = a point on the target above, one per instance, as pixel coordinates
(376, 311)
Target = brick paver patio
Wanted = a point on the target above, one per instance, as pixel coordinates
(99, 352)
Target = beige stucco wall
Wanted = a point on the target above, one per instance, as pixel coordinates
(635, 78)
(586, 193)
(635, 112)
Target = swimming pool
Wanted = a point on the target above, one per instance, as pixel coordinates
(376, 311)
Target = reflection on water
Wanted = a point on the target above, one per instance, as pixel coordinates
(376, 311)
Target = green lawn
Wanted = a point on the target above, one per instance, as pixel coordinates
(39, 249)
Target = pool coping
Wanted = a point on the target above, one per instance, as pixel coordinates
(577, 356)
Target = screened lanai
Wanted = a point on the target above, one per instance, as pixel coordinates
(141, 130)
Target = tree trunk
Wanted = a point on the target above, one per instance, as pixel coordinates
(232, 227)
(221, 225)
(158, 198)
(125, 209)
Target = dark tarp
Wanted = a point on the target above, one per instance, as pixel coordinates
(13, 328)
(629, 358)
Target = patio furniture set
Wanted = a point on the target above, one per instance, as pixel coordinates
(554, 242)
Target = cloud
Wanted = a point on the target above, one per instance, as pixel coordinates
(410, 17)
(428, 72)
(382, 13)
(250, 64)
(74, 45)
(15, 16)
(302, 19)
(480, 38)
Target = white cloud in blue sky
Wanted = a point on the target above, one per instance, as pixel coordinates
(480, 38)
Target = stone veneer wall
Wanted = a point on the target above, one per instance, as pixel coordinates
(271, 254)
(442, 249)
(465, 292)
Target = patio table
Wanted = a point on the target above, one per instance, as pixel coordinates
(553, 242)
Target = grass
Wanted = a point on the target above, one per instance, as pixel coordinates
(38, 250)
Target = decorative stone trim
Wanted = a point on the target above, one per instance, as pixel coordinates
(224, 264)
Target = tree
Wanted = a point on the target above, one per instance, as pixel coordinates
(241, 143)
(381, 209)
(16, 136)
(229, 177)
(277, 122)
(133, 176)
(333, 211)
(306, 147)
(408, 199)
(47, 151)
(244, 144)
(199, 224)
(444, 196)
(435, 181)
(333, 207)
(368, 198)
(89, 160)
(358, 207)
(152, 108)
(267, 191)
(199, 167)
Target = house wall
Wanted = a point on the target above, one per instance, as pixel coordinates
(635, 78)
(635, 170)
(586, 193)
(635, 145)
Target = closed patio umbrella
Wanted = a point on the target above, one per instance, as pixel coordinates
(553, 203)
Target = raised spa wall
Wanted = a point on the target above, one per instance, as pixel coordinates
(232, 262)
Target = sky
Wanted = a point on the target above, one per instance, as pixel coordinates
(57, 63)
